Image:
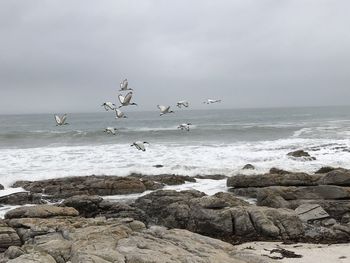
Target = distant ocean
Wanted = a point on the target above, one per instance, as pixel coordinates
(220, 142)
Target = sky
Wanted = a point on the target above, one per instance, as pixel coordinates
(70, 55)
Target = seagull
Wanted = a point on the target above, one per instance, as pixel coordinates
(125, 101)
(119, 114)
(184, 126)
(61, 120)
(210, 101)
(108, 106)
(182, 103)
(110, 130)
(140, 145)
(124, 85)
(164, 109)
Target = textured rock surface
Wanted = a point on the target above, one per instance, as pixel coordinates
(77, 240)
(41, 211)
(8, 237)
(22, 198)
(307, 212)
(301, 154)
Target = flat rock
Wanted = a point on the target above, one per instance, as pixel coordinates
(79, 185)
(22, 198)
(168, 179)
(41, 211)
(310, 212)
(278, 179)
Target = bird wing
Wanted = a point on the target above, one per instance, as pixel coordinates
(64, 118)
(128, 97)
(162, 108)
(58, 119)
(186, 104)
(119, 113)
(121, 98)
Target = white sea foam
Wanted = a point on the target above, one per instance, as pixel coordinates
(121, 159)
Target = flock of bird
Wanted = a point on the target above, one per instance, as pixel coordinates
(126, 101)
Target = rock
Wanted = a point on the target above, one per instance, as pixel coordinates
(158, 166)
(170, 179)
(8, 237)
(301, 154)
(79, 185)
(13, 252)
(325, 169)
(92, 206)
(221, 216)
(339, 177)
(212, 176)
(275, 170)
(41, 211)
(291, 179)
(1, 187)
(78, 240)
(22, 198)
(310, 212)
(345, 218)
(248, 167)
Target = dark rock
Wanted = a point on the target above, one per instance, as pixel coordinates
(41, 211)
(168, 179)
(325, 169)
(291, 179)
(92, 206)
(275, 170)
(301, 154)
(158, 166)
(212, 176)
(1, 187)
(231, 200)
(22, 198)
(248, 167)
(91, 185)
(13, 252)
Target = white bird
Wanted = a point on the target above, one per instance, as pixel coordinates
(164, 109)
(184, 126)
(119, 114)
(125, 100)
(182, 103)
(61, 120)
(140, 145)
(124, 85)
(110, 130)
(210, 101)
(108, 106)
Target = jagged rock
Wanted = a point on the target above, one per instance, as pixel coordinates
(310, 212)
(340, 177)
(301, 154)
(248, 167)
(8, 237)
(218, 216)
(79, 185)
(99, 240)
(92, 206)
(22, 198)
(264, 180)
(41, 211)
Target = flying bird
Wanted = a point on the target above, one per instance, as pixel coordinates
(119, 114)
(184, 126)
(164, 109)
(61, 120)
(140, 145)
(124, 85)
(210, 101)
(110, 130)
(108, 106)
(125, 100)
(182, 103)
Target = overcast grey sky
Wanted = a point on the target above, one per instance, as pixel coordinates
(70, 55)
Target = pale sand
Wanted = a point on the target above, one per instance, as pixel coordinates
(311, 253)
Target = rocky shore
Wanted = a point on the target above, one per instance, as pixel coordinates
(69, 220)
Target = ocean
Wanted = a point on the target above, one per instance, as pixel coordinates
(32, 147)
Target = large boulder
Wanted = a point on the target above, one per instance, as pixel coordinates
(41, 211)
(99, 240)
(1, 187)
(340, 177)
(90, 185)
(290, 179)
(301, 154)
